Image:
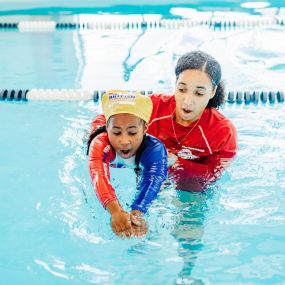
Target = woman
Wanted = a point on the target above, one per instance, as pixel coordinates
(200, 141)
(122, 142)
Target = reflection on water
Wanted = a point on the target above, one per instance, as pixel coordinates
(188, 231)
(143, 59)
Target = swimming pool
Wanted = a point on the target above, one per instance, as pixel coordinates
(53, 230)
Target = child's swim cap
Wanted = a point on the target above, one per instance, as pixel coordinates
(131, 102)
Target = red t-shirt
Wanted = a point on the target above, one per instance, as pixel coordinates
(204, 148)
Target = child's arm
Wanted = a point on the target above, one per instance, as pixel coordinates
(120, 220)
(98, 121)
(154, 162)
(100, 155)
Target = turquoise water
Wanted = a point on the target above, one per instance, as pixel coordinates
(54, 231)
(92, 60)
(126, 7)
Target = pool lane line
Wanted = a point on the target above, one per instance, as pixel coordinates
(212, 23)
(25, 95)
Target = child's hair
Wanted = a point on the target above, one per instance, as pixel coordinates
(93, 135)
(199, 60)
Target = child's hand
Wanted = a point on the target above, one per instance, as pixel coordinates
(121, 224)
(139, 226)
(120, 220)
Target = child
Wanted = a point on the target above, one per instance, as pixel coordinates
(123, 142)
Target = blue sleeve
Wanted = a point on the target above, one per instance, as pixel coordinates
(154, 163)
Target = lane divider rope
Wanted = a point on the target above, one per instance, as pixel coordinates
(24, 95)
(213, 23)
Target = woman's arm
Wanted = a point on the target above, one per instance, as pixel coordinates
(197, 175)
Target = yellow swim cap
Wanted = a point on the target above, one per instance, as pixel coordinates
(131, 102)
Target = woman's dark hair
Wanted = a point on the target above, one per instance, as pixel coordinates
(199, 60)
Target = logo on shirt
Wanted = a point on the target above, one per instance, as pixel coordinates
(186, 153)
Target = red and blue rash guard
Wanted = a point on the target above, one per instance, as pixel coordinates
(203, 149)
(152, 161)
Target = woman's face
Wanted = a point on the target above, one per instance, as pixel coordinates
(125, 132)
(193, 90)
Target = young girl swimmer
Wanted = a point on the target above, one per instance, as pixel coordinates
(123, 142)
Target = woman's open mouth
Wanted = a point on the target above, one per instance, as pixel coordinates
(186, 111)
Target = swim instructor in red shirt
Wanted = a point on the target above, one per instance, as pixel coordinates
(200, 140)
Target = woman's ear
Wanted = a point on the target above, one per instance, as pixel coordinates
(213, 92)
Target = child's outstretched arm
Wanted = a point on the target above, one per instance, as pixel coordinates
(120, 220)
(100, 155)
(154, 163)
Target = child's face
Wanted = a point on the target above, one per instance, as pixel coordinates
(125, 132)
(193, 91)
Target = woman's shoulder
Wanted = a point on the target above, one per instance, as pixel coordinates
(220, 130)
(163, 105)
(161, 98)
(219, 120)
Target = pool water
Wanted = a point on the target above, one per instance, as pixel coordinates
(92, 60)
(53, 229)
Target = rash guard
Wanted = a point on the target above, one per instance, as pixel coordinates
(152, 162)
(204, 148)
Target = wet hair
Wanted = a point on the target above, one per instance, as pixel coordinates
(199, 60)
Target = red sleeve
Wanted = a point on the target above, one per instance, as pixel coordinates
(100, 155)
(98, 121)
